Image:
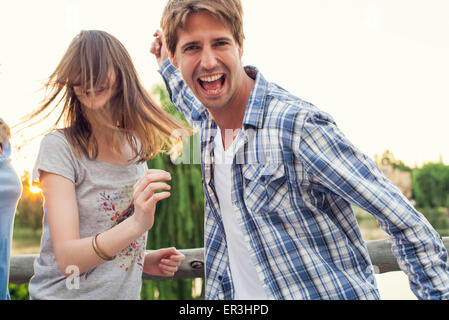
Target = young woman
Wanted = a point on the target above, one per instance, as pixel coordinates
(10, 190)
(100, 197)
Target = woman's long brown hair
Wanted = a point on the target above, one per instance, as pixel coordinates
(87, 62)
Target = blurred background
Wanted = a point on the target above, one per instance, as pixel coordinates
(378, 67)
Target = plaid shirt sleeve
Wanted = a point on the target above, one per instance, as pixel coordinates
(335, 166)
(180, 94)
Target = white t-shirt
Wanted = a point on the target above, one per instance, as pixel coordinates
(247, 285)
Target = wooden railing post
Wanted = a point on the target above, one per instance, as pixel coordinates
(382, 258)
(191, 267)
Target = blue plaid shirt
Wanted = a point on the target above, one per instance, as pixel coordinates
(295, 176)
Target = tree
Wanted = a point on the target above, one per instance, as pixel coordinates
(389, 159)
(179, 219)
(29, 209)
(431, 185)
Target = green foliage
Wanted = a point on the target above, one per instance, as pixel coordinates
(160, 92)
(431, 185)
(27, 229)
(388, 158)
(401, 166)
(364, 217)
(438, 218)
(179, 219)
(178, 223)
(26, 239)
(18, 291)
(29, 209)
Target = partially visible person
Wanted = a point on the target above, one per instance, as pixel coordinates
(10, 191)
(100, 197)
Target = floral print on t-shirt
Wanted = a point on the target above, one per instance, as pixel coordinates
(115, 207)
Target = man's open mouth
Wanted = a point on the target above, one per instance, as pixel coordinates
(212, 84)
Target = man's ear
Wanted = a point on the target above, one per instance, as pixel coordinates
(241, 51)
(173, 60)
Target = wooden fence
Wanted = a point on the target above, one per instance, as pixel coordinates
(382, 258)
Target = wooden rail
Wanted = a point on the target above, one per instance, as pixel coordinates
(382, 258)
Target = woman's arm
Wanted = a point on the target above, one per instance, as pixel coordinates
(163, 262)
(62, 217)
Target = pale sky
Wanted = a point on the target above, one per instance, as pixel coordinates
(379, 67)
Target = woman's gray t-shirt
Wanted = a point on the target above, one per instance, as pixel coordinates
(104, 192)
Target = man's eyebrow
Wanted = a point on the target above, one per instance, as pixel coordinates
(223, 39)
(190, 43)
(195, 43)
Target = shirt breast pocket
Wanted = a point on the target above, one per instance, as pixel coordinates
(265, 187)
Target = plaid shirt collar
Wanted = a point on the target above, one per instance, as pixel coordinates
(255, 107)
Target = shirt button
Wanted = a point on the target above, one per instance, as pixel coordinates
(220, 278)
(262, 178)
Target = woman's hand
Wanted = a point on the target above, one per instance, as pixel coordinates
(163, 262)
(145, 197)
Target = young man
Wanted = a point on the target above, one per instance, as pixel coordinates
(278, 221)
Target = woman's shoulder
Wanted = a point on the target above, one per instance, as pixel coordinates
(55, 156)
(55, 137)
(56, 144)
(59, 133)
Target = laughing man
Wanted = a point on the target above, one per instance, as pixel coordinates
(280, 177)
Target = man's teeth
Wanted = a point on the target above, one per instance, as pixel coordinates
(211, 78)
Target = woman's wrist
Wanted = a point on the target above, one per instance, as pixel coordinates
(118, 237)
(135, 226)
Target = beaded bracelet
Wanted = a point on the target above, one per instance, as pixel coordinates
(98, 251)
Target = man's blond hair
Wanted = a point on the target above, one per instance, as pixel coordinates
(175, 14)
